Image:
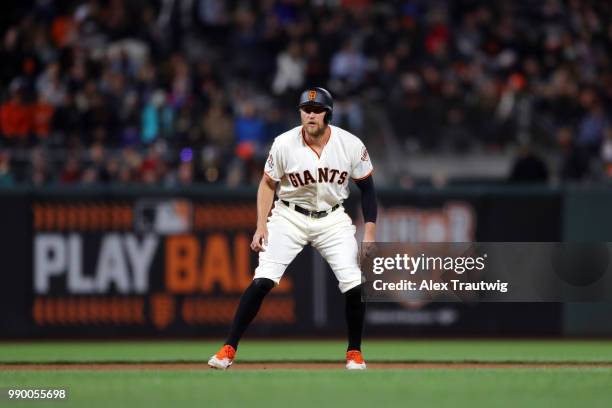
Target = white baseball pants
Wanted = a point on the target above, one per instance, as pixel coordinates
(333, 236)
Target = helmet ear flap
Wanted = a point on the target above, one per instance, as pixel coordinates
(328, 116)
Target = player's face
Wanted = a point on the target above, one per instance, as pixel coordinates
(313, 120)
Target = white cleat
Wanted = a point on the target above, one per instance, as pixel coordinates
(223, 359)
(354, 360)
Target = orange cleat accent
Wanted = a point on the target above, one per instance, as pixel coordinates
(354, 360)
(224, 358)
(226, 351)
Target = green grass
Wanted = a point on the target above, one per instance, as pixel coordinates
(337, 388)
(484, 350)
(481, 387)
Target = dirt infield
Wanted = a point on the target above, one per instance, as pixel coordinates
(294, 366)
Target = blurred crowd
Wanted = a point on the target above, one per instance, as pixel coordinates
(174, 92)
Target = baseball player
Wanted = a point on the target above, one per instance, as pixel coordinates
(309, 168)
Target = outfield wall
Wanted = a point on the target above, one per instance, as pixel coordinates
(123, 262)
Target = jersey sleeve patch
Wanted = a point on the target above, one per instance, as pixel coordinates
(364, 154)
(273, 166)
(362, 165)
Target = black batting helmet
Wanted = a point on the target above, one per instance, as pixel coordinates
(318, 97)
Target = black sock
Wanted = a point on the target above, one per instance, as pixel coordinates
(250, 303)
(355, 313)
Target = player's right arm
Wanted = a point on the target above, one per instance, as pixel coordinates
(265, 198)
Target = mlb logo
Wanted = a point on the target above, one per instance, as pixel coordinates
(172, 216)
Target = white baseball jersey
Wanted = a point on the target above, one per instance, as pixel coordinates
(315, 182)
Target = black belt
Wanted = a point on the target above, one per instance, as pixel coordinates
(308, 213)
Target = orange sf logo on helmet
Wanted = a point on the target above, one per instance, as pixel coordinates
(312, 95)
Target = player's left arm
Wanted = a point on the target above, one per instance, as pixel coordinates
(368, 206)
(361, 173)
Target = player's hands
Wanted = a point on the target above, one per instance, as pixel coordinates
(368, 249)
(260, 240)
(368, 246)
